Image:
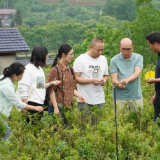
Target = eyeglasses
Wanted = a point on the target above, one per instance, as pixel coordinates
(126, 49)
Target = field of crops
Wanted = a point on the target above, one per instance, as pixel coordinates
(49, 139)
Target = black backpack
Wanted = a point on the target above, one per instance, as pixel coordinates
(47, 99)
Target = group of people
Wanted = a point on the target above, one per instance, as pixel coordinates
(89, 72)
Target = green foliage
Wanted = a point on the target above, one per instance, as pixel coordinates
(147, 21)
(2, 128)
(156, 3)
(18, 17)
(11, 16)
(122, 10)
(12, 23)
(138, 135)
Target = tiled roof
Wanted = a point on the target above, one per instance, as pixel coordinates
(12, 41)
(7, 11)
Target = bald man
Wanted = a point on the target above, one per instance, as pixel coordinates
(125, 69)
(91, 71)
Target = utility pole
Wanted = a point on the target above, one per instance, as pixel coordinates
(4, 5)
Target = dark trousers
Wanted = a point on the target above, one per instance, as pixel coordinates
(156, 106)
(34, 118)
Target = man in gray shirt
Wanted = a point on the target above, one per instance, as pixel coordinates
(125, 69)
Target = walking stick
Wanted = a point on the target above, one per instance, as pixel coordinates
(115, 106)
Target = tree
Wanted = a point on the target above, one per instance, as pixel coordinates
(122, 10)
(18, 18)
(12, 23)
(147, 21)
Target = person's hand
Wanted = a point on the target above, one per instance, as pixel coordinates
(24, 111)
(55, 82)
(96, 82)
(120, 85)
(124, 81)
(39, 108)
(150, 80)
(56, 111)
(82, 99)
(103, 82)
(152, 99)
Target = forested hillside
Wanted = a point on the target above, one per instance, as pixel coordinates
(51, 25)
(54, 24)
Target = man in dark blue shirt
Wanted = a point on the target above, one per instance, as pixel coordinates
(153, 40)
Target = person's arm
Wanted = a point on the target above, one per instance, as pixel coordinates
(52, 76)
(137, 70)
(86, 81)
(25, 84)
(104, 80)
(133, 77)
(114, 73)
(114, 77)
(10, 94)
(37, 108)
(50, 84)
(80, 97)
(24, 110)
(54, 102)
(105, 74)
(152, 98)
(78, 68)
(153, 80)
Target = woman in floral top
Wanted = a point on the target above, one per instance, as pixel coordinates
(62, 95)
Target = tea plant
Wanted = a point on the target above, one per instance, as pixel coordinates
(90, 137)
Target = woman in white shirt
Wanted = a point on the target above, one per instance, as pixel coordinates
(32, 87)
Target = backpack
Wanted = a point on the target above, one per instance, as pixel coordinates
(47, 99)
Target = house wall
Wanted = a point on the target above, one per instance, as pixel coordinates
(4, 16)
(6, 60)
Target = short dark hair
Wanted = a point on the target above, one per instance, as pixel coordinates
(64, 48)
(96, 40)
(153, 37)
(38, 57)
(15, 68)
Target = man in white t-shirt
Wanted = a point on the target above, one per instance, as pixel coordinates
(91, 71)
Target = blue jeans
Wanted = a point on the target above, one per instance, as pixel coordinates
(50, 109)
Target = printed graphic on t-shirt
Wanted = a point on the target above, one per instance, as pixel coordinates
(40, 82)
(94, 71)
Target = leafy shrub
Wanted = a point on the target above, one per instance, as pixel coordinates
(138, 135)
